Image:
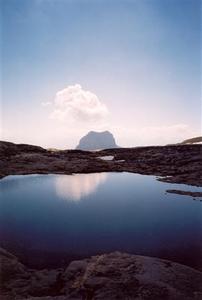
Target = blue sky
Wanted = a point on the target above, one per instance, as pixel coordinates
(140, 60)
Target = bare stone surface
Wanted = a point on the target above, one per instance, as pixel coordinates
(186, 193)
(172, 163)
(97, 140)
(107, 277)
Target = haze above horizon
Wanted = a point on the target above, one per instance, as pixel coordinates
(132, 67)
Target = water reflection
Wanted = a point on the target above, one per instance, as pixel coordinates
(79, 185)
(122, 211)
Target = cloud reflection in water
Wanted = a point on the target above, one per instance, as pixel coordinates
(74, 187)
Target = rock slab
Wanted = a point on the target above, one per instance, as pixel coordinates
(103, 277)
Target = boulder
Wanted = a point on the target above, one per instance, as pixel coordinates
(103, 277)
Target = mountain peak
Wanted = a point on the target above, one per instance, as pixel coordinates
(194, 140)
(94, 140)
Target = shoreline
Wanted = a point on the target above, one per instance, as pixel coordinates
(173, 163)
(102, 275)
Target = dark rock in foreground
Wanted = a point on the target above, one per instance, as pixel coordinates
(107, 277)
(97, 141)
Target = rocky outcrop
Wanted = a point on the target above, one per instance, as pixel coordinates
(97, 141)
(186, 193)
(104, 277)
(9, 149)
(194, 140)
(173, 163)
(17, 281)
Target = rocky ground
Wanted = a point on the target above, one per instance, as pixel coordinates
(110, 276)
(172, 163)
(107, 277)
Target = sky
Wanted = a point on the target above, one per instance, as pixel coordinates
(132, 67)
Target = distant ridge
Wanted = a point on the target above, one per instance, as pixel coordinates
(97, 141)
(194, 140)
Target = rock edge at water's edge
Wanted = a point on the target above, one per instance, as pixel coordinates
(172, 163)
(103, 277)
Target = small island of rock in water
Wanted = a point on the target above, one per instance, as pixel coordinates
(97, 141)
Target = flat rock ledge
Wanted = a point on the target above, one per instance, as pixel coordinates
(185, 193)
(107, 277)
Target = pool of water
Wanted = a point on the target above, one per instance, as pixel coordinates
(49, 219)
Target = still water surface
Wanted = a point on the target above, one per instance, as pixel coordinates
(74, 216)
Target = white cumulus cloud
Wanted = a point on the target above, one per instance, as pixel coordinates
(73, 103)
(47, 103)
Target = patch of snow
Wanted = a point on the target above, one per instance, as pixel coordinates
(108, 157)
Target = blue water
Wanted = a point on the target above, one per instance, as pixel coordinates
(85, 214)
